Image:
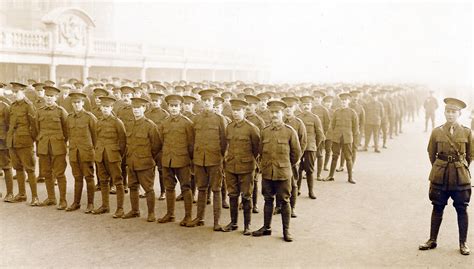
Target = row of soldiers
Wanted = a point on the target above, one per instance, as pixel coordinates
(196, 137)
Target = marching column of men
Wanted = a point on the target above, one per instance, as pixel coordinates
(213, 144)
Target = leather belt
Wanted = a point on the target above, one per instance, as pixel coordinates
(450, 158)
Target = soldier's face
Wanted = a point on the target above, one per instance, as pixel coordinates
(317, 100)
(263, 105)
(328, 104)
(306, 106)
(138, 111)
(188, 107)
(106, 110)
(118, 95)
(156, 103)
(251, 108)
(289, 111)
(238, 114)
(77, 105)
(452, 115)
(208, 103)
(19, 95)
(49, 99)
(174, 109)
(345, 102)
(277, 116)
(127, 96)
(218, 109)
(40, 93)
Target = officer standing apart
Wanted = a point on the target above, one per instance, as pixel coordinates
(243, 140)
(280, 150)
(449, 150)
(177, 135)
(143, 144)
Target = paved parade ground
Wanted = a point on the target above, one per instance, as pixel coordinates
(379, 222)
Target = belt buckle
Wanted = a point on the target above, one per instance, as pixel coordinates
(450, 159)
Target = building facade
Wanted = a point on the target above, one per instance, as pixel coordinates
(63, 43)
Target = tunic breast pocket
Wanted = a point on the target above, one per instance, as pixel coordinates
(283, 146)
(266, 146)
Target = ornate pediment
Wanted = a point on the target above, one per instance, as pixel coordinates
(70, 27)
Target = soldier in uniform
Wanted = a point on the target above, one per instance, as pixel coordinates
(243, 140)
(20, 138)
(359, 109)
(143, 144)
(430, 105)
(315, 137)
(374, 114)
(177, 135)
(449, 150)
(323, 114)
(227, 109)
(291, 120)
(280, 150)
(393, 129)
(262, 110)
(254, 118)
(218, 109)
(187, 106)
(387, 108)
(157, 115)
(39, 100)
(109, 149)
(327, 102)
(344, 131)
(82, 140)
(209, 148)
(51, 148)
(5, 162)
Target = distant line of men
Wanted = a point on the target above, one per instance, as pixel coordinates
(210, 137)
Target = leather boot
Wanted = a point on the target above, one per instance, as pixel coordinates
(247, 216)
(327, 156)
(33, 188)
(9, 184)
(21, 196)
(104, 208)
(319, 168)
(51, 200)
(216, 203)
(201, 210)
(436, 219)
(234, 213)
(285, 219)
(120, 195)
(150, 202)
(134, 202)
(463, 223)
(300, 178)
(293, 201)
(209, 191)
(224, 195)
(267, 220)
(349, 172)
(330, 177)
(188, 208)
(62, 193)
(255, 197)
(309, 178)
(170, 204)
(90, 186)
(76, 204)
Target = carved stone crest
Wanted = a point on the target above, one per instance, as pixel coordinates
(72, 30)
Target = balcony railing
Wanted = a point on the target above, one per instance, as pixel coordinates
(25, 40)
(13, 40)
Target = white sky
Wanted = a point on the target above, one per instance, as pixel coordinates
(385, 41)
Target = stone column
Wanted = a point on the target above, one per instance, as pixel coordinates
(52, 72)
(183, 73)
(85, 73)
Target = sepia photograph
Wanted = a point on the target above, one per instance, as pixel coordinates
(236, 133)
